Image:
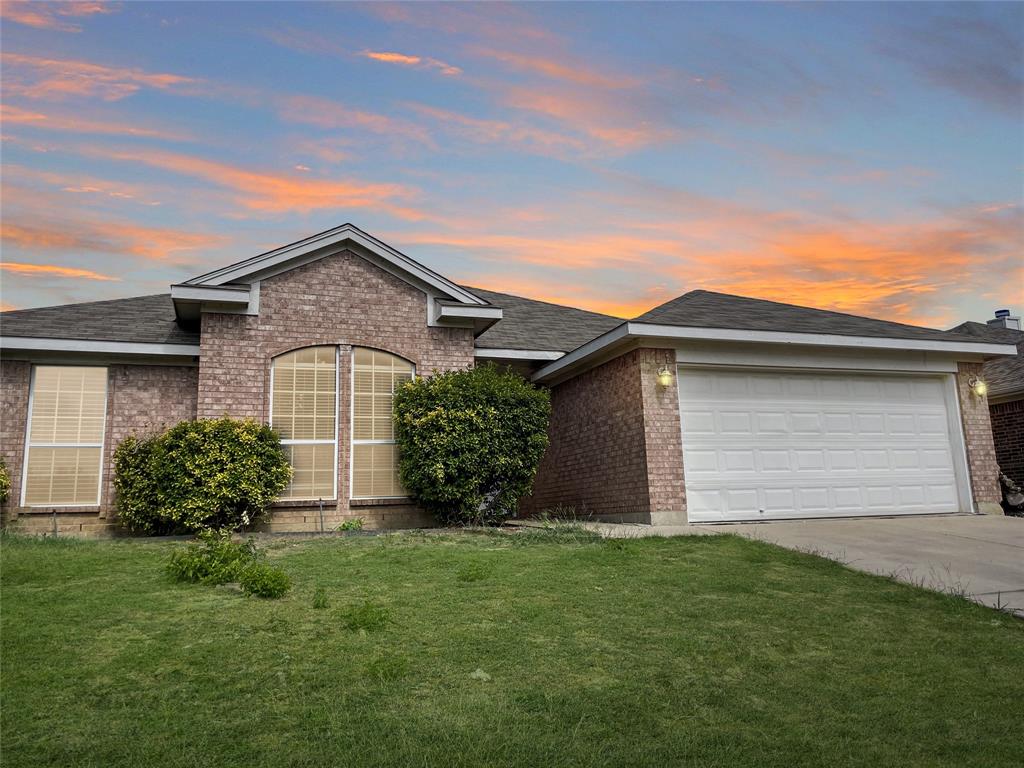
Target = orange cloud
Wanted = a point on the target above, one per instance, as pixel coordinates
(277, 193)
(56, 79)
(158, 243)
(11, 115)
(574, 72)
(391, 57)
(325, 113)
(53, 270)
(51, 15)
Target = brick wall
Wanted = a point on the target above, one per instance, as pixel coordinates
(981, 453)
(1008, 435)
(14, 389)
(341, 300)
(616, 451)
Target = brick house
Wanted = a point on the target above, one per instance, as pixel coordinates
(1005, 379)
(708, 408)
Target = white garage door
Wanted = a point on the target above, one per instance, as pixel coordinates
(771, 445)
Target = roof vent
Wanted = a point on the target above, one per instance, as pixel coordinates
(1003, 319)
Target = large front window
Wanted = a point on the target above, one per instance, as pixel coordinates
(65, 436)
(375, 375)
(304, 411)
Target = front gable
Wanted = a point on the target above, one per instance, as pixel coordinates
(236, 288)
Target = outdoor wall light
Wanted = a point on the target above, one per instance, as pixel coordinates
(665, 376)
(978, 386)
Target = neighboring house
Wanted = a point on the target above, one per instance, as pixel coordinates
(1005, 379)
(708, 408)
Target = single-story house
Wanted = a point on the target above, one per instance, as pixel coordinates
(1005, 379)
(708, 408)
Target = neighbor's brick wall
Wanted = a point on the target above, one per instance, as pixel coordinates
(14, 389)
(981, 453)
(142, 400)
(615, 450)
(1008, 435)
(341, 300)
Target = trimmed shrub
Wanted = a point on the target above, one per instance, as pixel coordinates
(214, 559)
(264, 580)
(210, 474)
(470, 441)
(5, 481)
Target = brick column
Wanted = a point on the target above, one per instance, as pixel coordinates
(663, 437)
(981, 452)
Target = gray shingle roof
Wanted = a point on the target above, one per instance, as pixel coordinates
(539, 325)
(148, 319)
(1004, 375)
(707, 309)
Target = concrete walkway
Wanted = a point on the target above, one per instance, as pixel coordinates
(979, 556)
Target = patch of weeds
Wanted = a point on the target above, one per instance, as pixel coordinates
(559, 532)
(364, 617)
(352, 524)
(473, 571)
(214, 559)
(320, 598)
(262, 580)
(386, 669)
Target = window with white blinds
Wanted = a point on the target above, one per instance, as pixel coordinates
(65, 436)
(304, 411)
(375, 375)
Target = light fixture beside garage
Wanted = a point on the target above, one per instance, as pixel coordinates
(665, 376)
(978, 386)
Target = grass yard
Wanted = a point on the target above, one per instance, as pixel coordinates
(475, 649)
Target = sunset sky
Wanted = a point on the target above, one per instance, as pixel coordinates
(866, 158)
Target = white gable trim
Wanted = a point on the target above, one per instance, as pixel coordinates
(265, 263)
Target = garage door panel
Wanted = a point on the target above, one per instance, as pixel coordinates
(761, 445)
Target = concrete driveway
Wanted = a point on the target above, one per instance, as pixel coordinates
(980, 556)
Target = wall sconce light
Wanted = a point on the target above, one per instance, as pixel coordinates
(664, 376)
(978, 386)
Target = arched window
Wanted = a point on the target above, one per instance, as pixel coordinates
(375, 375)
(304, 411)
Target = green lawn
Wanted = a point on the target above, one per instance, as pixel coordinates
(498, 651)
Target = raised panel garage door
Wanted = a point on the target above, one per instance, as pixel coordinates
(776, 445)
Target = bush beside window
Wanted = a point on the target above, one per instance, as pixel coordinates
(5, 481)
(470, 441)
(210, 474)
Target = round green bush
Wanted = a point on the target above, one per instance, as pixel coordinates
(470, 441)
(210, 474)
(5, 481)
(264, 580)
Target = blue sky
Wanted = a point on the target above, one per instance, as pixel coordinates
(862, 157)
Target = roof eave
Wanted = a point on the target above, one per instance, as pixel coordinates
(649, 332)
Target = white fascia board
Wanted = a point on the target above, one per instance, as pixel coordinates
(467, 311)
(36, 344)
(630, 330)
(210, 293)
(516, 354)
(241, 271)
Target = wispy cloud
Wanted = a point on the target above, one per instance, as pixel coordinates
(419, 62)
(276, 192)
(78, 123)
(51, 15)
(501, 132)
(53, 270)
(38, 77)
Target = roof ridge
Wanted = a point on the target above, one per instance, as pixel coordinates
(84, 303)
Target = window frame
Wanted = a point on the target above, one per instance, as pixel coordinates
(352, 442)
(337, 421)
(28, 445)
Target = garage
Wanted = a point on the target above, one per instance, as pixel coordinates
(771, 444)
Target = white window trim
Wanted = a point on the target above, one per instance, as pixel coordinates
(334, 442)
(29, 444)
(352, 442)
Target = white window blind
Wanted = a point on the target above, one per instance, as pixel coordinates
(304, 411)
(375, 375)
(65, 436)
